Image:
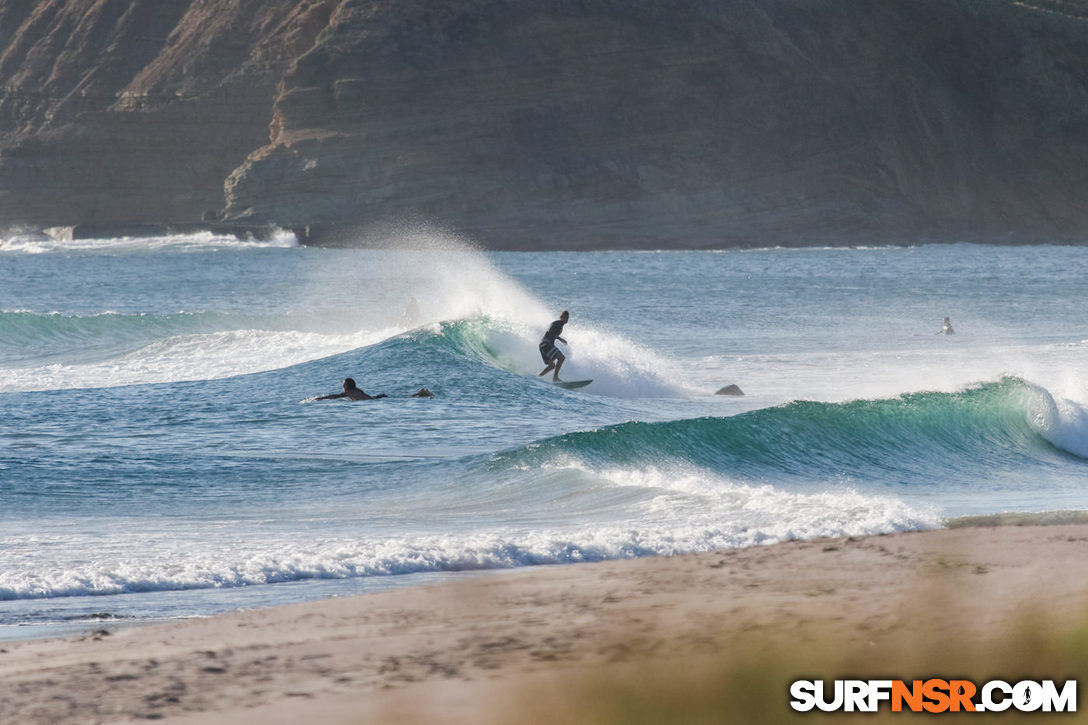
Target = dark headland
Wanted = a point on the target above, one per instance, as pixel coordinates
(550, 124)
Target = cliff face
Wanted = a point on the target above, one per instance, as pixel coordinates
(136, 110)
(562, 123)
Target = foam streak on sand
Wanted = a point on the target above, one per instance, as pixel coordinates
(463, 651)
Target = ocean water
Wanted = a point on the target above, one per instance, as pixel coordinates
(161, 454)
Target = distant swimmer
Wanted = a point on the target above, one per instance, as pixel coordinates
(947, 329)
(353, 392)
(553, 358)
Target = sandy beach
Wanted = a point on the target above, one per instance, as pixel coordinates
(482, 648)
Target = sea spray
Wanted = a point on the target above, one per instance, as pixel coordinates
(857, 418)
(461, 293)
(417, 279)
(1063, 422)
(619, 368)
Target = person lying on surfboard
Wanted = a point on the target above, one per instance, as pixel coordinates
(553, 358)
(352, 392)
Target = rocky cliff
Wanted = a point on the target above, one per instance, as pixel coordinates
(553, 123)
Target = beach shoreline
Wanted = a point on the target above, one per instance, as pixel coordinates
(464, 650)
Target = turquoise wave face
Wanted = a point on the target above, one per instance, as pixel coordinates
(972, 435)
(143, 448)
(29, 335)
(36, 337)
(478, 338)
(620, 368)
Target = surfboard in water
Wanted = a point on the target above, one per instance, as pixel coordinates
(571, 384)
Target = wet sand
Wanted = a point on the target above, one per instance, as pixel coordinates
(472, 649)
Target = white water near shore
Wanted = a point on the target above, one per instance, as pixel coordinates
(157, 442)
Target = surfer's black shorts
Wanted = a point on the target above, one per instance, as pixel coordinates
(548, 351)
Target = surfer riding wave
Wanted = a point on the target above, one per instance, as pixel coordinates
(551, 354)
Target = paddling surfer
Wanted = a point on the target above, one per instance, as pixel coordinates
(353, 392)
(551, 354)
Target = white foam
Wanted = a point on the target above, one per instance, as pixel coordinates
(620, 367)
(617, 366)
(701, 500)
(451, 280)
(933, 364)
(417, 277)
(664, 512)
(1064, 421)
(191, 357)
(192, 564)
(39, 243)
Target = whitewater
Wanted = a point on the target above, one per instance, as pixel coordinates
(162, 454)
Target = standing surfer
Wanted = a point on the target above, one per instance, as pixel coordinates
(551, 355)
(947, 329)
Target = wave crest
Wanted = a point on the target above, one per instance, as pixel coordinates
(988, 425)
(618, 367)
